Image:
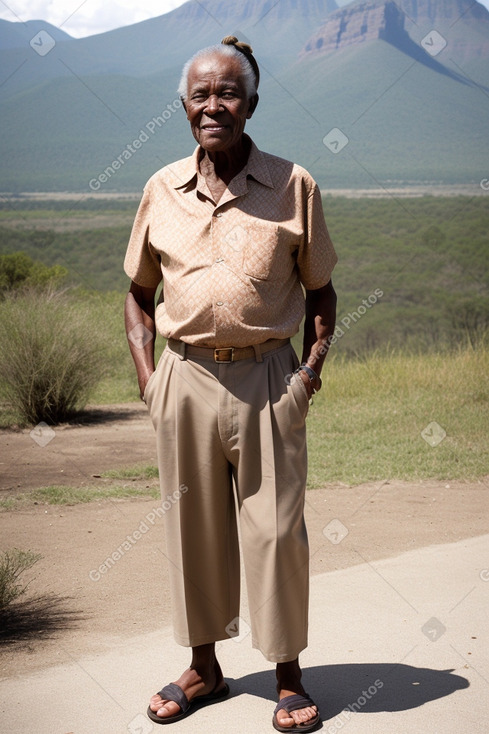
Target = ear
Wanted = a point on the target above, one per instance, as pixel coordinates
(184, 105)
(252, 105)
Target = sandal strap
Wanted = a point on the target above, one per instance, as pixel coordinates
(172, 692)
(293, 703)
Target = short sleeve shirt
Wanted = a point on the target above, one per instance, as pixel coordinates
(233, 273)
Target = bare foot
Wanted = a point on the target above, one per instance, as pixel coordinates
(289, 683)
(194, 682)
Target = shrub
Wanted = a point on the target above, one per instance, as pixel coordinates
(12, 564)
(18, 270)
(34, 617)
(51, 354)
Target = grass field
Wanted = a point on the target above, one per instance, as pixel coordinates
(368, 422)
(63, 495)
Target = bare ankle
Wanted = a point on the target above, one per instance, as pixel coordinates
(289, 676)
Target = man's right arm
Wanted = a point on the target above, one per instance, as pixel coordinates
(139, 316)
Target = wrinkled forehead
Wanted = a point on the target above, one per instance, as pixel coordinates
(215, 68)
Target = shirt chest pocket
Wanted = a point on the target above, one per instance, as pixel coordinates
(267, 254)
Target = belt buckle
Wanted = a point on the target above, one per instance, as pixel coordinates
(225, 358)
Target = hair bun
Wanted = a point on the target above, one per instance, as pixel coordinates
(233, 41)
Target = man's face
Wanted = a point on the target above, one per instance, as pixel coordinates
(217, 104)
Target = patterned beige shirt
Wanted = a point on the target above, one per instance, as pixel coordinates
(232, 273)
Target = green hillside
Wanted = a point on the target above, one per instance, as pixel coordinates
(405, 122)
(81, 129)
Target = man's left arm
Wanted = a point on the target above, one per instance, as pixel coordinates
(318, 331)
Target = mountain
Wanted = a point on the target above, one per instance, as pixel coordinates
(279, 30)
(372, 93)
(18, 35)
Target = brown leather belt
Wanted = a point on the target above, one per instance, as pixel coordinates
(225, 355)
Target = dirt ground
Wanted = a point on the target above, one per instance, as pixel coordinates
(111, 600)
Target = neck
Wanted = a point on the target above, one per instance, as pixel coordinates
(227, 163)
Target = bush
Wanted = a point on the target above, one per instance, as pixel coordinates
(31, 618)
(51, 354)
(18, 270)
(12, 564)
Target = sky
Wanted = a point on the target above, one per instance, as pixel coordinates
(86, 17)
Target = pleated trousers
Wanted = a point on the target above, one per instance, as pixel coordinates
(231, 446)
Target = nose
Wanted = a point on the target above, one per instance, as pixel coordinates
(212, 105)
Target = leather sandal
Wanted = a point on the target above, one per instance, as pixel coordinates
(293, 703)
(173, 692)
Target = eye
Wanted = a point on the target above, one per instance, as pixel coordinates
(198, 97)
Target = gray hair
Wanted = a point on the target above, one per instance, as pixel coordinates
(224, 50)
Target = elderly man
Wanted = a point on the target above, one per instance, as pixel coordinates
(236, 235)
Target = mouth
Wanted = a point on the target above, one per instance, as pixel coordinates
(213, 128)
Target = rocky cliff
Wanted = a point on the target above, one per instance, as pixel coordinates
(463, 23)
(353, 25)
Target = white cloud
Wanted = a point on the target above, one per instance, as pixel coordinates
(86, 18)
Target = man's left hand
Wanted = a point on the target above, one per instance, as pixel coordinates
(310, 387)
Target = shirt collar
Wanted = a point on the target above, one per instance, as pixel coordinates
(187, 169)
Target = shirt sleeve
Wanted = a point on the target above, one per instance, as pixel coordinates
(142, 262)
(317, 257)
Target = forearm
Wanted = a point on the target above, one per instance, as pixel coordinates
(319, 326)
(139, 316)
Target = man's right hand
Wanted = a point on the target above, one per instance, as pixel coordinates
(143, 381)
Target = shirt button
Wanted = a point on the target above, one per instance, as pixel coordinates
(219, 259)
(219, 214)
(220, 303)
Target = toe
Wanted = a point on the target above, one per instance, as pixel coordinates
(163, 708)
(284, 719)
(302, 716)
(169, 708)
(155, 702)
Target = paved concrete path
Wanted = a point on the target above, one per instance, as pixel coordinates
(396, 646)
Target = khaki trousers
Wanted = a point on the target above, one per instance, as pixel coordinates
(231, 443)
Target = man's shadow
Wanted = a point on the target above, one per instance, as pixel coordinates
(361, 687)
